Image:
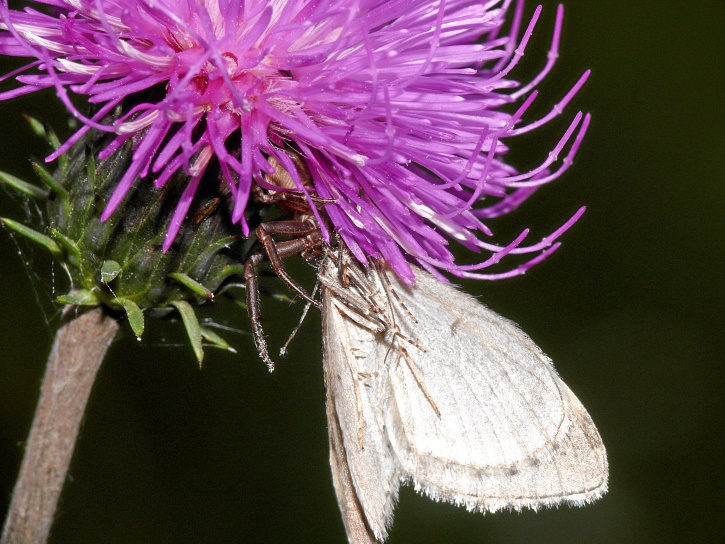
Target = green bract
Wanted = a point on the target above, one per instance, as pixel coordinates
(119, 263)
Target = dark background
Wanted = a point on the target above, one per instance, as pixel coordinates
(630, 309)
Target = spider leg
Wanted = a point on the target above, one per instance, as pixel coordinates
(274, 252)
(308, 236)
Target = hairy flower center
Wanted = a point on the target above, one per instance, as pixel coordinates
(223, 82)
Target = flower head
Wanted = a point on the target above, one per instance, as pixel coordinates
(395, 107)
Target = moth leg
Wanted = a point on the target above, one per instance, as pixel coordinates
(351, 308)
(391, 294)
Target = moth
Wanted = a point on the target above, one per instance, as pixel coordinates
(425, 385)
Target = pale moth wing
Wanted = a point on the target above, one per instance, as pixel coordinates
(425, 384)
(353, 516)
(354, 398)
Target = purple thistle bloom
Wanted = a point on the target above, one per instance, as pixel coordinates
(394, 105)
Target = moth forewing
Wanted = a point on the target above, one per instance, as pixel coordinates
(353, 515)
(450, 396)
(355, 390)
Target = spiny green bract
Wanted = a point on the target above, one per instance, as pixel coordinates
(119, 263)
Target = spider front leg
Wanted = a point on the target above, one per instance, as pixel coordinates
(306, 234)
(308, 237)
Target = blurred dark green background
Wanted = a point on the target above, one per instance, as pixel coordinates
(630, 309)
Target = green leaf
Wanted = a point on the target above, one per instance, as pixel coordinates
(193, 285)
(134, 314)
(81, 297)
(193, 330)
(109, 271)
(282, 297)
(23, 186)
(215, 340)
(230, 270)
(215, 247)
(239, 302)
(34, 236)
(230, 290)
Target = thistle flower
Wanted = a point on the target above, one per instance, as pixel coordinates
(399, 109)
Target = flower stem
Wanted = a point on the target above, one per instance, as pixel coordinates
(78, 350)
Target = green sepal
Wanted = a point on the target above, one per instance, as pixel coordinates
(54, 142)
(215, 340)
(80, 297)
(134, 314)
(34, 236)
(191, 323)
(91, 170)
(24, 187)
(48, 180)
(70, 246)
(119, 262)
(44, 131)
(193, 285)
(37, 127)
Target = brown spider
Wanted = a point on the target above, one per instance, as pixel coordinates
(306, 240)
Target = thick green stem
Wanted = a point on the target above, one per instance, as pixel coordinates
(78, 351)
